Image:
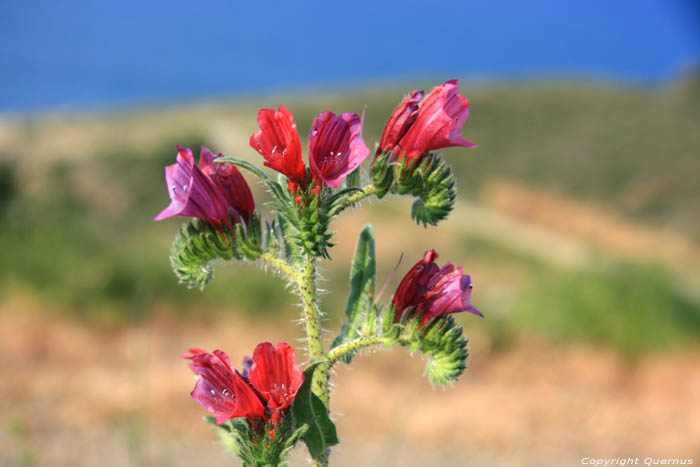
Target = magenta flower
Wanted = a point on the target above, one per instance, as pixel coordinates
(336, 147)
(209, 190)
(433, 291)
(435, 123)
(277, 141)
(222, 390)
(400, 121)
(266, 388)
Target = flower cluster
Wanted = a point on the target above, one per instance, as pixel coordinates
(336, 147)
(432, 291)
(276, 402)
(261, 392)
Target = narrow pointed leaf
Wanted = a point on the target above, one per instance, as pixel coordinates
(362, 283)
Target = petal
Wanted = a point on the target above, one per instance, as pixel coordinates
(275, 374)
(191, 353)
(248, 404)
(278, 142)
(441, 116)
(336, 147)
(214, 389)
(400, 121)
(205, 394)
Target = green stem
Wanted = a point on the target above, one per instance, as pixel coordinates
(283, 267)
(369, 190)
(312, 319)
(337, 352)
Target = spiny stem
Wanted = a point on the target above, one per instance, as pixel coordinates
(312, 319)
(283, 267)
(337, 352)
(369, 190)
(311, 311)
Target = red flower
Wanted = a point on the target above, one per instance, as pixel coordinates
(209, 190)
(336, 147)
(275, 375)
(414, 129)
(222, 390)
(433, 291)
(271, 388)
(400, 121)
(278, 142)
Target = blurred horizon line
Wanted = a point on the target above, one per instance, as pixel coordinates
(476, 81)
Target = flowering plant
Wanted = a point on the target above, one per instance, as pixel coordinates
(269, 406)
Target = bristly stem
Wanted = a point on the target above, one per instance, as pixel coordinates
(369, 190)
(312, 319)
(337, 352)
(283, 267)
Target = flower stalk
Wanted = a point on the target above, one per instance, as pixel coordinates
(338, 352)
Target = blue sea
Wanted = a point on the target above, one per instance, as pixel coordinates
(98, 54)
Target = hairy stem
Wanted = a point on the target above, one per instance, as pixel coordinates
(312, 319)
(282, 267)
(337, 352)
(369, 190)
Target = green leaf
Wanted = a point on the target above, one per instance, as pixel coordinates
(309, 410)
(362, 282)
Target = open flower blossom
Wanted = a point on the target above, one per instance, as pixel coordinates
(277, 141)
(433, 291)
(261, 393)
(209, 190)
(336, 147)
(420, 125)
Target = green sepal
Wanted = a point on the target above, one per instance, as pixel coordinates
(353, 178)
(382, 173)
(250, 238)
(362, 284)
(198, 244)
(432, 182)
(257, 447)
(289, 249)
(309, 410)
(442, 341)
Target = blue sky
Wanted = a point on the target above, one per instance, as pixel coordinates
(85, 54)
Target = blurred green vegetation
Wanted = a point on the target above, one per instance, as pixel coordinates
(77, 231)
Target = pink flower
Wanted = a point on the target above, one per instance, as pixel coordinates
(400, 121)
(336, 147)
(222, 390)
(266, 388)
(209, 190)
(433, 291)
(278, 142)
(414, 129)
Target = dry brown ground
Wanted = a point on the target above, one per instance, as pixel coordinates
(77, 396)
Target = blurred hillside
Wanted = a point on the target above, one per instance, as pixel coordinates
(577, 216)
